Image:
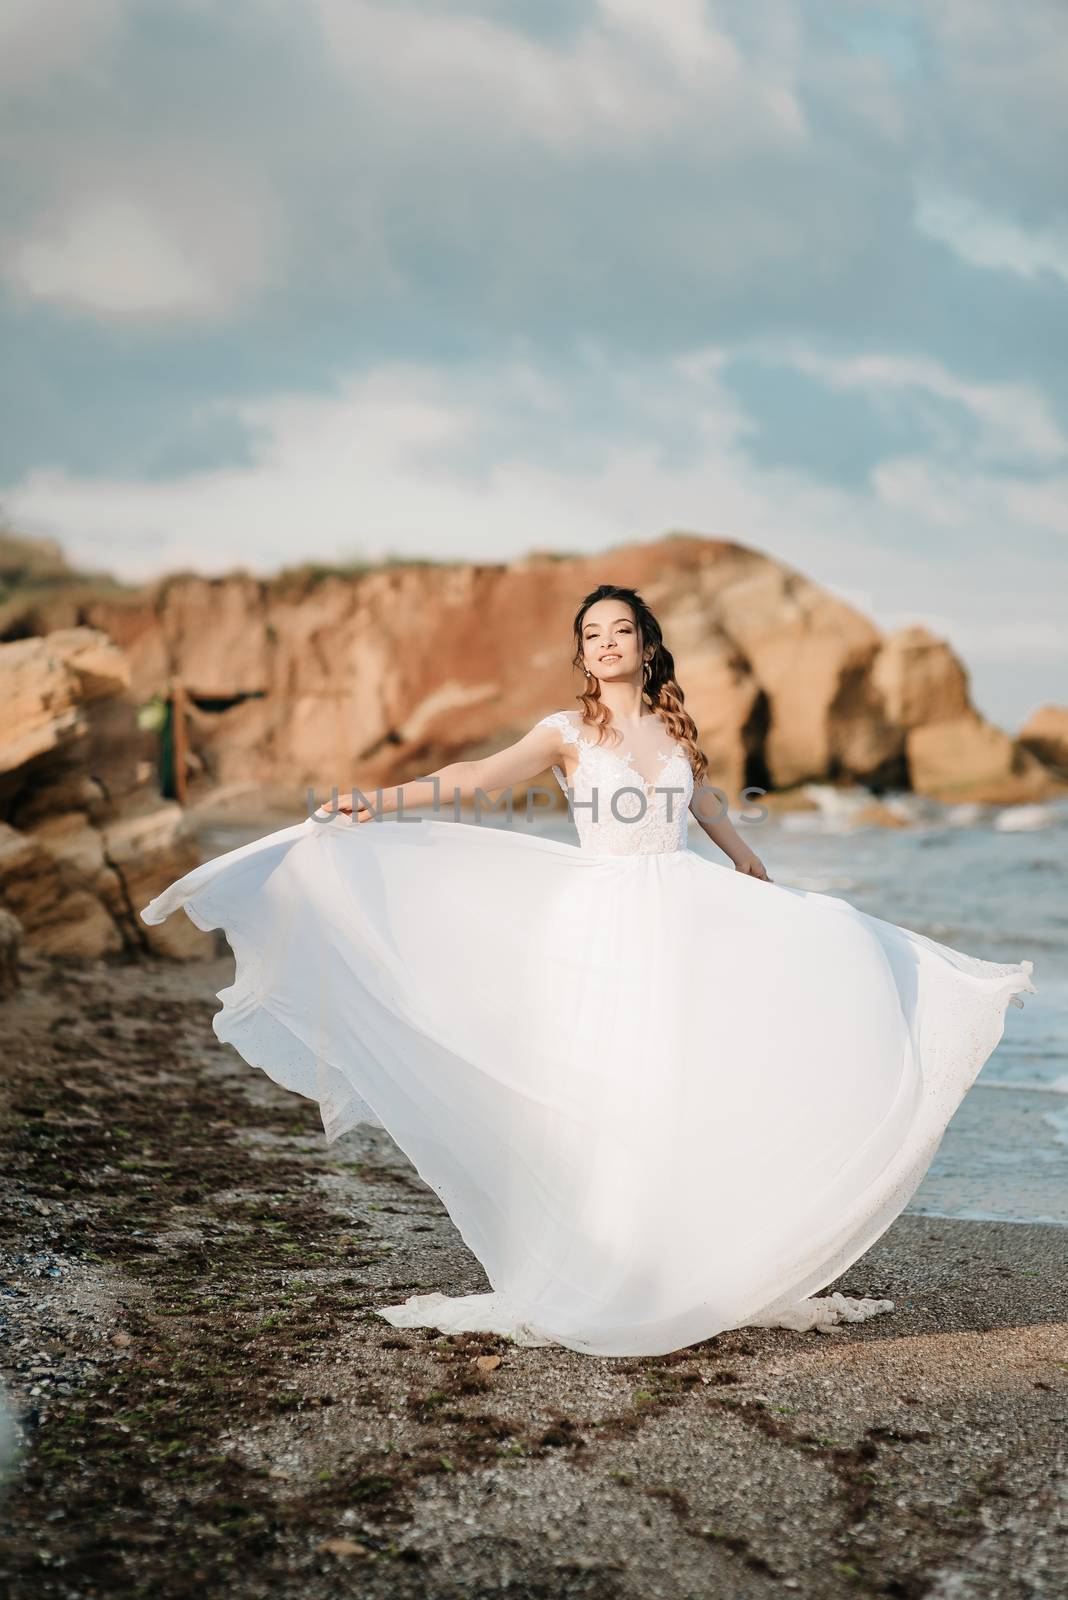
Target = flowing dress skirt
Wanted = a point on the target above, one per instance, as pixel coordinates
(658, 1098)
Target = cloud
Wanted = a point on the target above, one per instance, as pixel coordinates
(945, 496)
(635, 73)
(160, 239)
(999, 89)
(1009, 421)
(995, 640)
(423, 460)
(986, 240)
(108, 255)
(649, 169)
(44, 39)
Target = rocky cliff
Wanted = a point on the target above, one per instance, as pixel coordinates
(316, 677)
(84, 837)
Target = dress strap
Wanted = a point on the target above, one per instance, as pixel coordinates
(561, 720)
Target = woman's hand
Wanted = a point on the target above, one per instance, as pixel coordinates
(387, 801)
(751, 864)
(343, 804)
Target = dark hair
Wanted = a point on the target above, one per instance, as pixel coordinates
(660, 687)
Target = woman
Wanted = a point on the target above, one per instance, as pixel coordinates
(659, 1099)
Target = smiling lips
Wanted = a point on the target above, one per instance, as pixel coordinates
(610, 658)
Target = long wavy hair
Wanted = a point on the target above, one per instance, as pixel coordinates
(660, 689)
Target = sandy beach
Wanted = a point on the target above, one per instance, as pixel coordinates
(207, 1397)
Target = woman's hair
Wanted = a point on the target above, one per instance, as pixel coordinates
(660, 687)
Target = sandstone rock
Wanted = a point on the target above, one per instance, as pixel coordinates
(965, 758)
(10, 942)
(77, 888)
(60, 916)
(56, 796)
(145, 854)
(81, 836)
(731, 713)
(877, 816)
(45, 685)
(1045, 736)
(219, 633)
(779, 802)
(334, 681)
(72, 840)
(379, 675)
(920, 679)
(810, 655)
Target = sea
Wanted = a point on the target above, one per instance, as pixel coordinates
(991, 881)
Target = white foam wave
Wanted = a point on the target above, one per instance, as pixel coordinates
(1026, 819)
(1058, 1121)
(1058, 1086)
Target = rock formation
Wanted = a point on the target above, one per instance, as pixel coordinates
(83, 844)
(1045, 735)
(952, 753)
(10, 945)
(374, 676)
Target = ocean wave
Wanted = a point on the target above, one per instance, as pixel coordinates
(1058, 1086)
(1028, 819)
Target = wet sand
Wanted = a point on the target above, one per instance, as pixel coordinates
(207, 1401)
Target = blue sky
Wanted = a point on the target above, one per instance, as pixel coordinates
(287, 279)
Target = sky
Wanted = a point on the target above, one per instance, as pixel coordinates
(287, 280)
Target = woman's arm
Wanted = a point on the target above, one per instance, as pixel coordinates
(517, 763)
(710, 808)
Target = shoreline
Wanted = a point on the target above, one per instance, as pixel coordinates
(1000, 1222)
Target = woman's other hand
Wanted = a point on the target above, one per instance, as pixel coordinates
(751, 864)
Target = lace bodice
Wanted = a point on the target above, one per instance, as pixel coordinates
(614, 809)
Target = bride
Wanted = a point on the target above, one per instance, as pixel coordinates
(660, 1098)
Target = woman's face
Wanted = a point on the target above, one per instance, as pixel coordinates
(610, 646)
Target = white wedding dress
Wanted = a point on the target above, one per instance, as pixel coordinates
(658, 1098)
